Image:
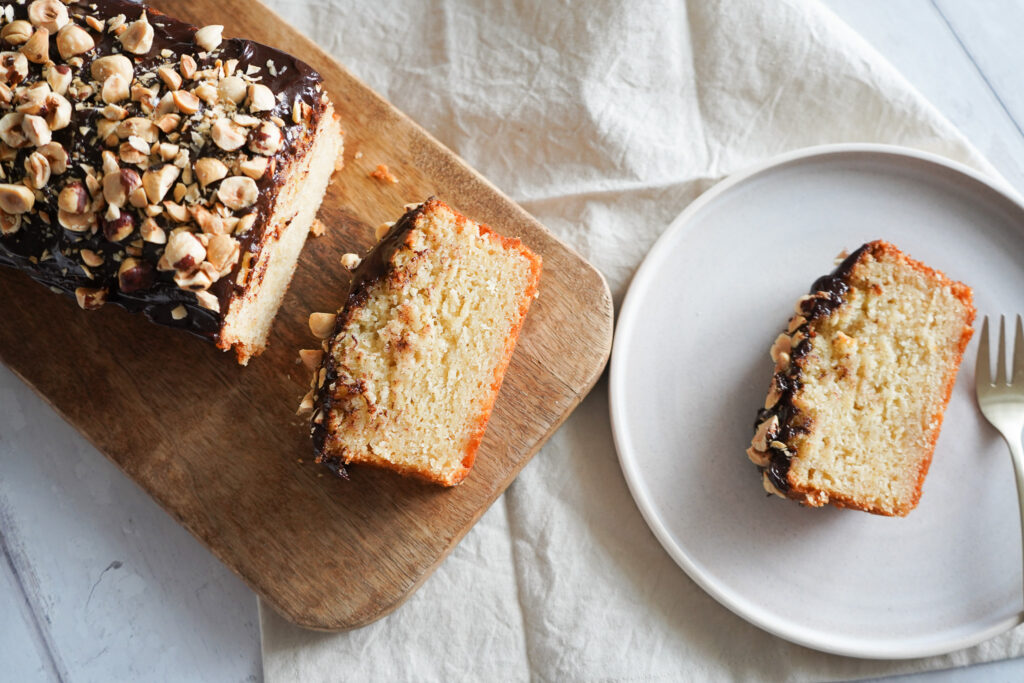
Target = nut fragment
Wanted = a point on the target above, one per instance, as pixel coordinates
(59, 77)
(168, 122)
(16, 32)
(311, 358)
(223, 252)
(16, 199)
(11, 132)
(209, 37)
(261, 98)
(759, 458)
(188, 66)
(37, 48)
(36, 130)
(9, 223)
(157, 182)
(49, 14)
(37, 170)
(266, 139)
(134, 274)
(73, 40)
(207, 300)
(73, 198)
(765, 431)
(306, 405)
(350, 261)
(57, 111)
(120, 226)
(238, 192)
(90, 298)
(184, 252)
(382, 229)
(178, 312)
(227, 134)
(105, 67)
(186, 102)
(152, 232)
(56, 156)
(195, 281)
(781, 346)
(209, 170)
(322, 324)
(91, 258)
(118, 185)
(139, 127)
(76, 222)
(115, 89)
(138, 39)
(232, 89)
(13, 68)
(169, 76)
(254, 167)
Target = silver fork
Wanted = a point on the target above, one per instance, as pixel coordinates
(1002, 402)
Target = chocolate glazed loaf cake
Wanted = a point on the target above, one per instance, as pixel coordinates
(862, 378)
(413, 363)
(154, 165)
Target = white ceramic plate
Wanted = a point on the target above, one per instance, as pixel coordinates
(690, 368)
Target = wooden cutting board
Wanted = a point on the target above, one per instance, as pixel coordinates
(219, 446)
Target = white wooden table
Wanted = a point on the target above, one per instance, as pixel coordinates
(98, 584)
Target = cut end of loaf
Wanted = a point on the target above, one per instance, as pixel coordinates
(420, 349)
(251, 313)
(862, 379)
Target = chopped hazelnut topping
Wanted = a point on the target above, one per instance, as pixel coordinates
(105, 67)
(261, 98)
(9, 223)
(209, 37)
(138, 39)
(350, 261)
(232, 89)
(227, 135)
(73, 198)
(90, 298)
(207, 300)
(134, 274)
(322, 324)
(158, 182)
(37, 48)
(209, 170)
(58, 77)
(186, 102)
(73, 40)
(317, 228)
(178, 312)
(17, 32)
(37, 170)
(238, 192)
(16, 199)
(91, 258)
(266, 139)
(169, 76)
(382, 229)
(49, 14)
(119, 184)
(254, 167)
(36, 130)
(115, 89)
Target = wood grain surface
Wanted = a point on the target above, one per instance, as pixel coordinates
(219, 446)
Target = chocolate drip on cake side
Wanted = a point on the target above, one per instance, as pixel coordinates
(373, 268)
(779, 422)
(67, 260)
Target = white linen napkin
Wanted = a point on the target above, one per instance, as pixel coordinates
(604, 120)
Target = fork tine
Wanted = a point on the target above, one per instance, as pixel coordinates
(1001, 358)
(983, 370)
(1018, 353)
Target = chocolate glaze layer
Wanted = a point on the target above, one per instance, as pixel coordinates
(62, 271)
(374, 267)
(828, 293)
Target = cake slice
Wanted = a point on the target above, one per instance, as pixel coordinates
(414, 361)
(862, 378)
(155, 165)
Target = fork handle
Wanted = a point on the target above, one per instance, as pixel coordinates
(1017, 453)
